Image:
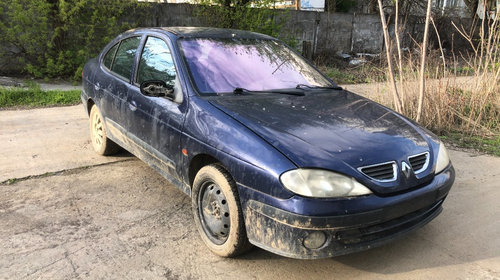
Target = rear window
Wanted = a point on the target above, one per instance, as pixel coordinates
(124, 58)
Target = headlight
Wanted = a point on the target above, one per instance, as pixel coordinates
(321, 183)
(443, 159)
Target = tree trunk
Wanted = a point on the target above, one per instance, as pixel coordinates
(422, 62)
(397, 99)
(400, 55)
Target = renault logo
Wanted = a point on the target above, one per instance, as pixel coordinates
(406, 169)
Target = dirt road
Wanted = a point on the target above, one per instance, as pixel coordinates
(115, 218)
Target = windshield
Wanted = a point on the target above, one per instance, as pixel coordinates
(221, 65)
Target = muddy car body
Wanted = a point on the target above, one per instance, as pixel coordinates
(301, 168)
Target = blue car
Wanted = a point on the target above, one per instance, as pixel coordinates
(272, 152)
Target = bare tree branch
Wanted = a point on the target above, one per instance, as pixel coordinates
(397, 99)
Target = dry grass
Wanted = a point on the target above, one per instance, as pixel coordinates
(472, 109)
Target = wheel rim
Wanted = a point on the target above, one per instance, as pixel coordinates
(214, 213)
(97, 131)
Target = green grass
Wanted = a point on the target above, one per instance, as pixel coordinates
(341, 77)
(33, 96)
(486, 145)
(353, 75)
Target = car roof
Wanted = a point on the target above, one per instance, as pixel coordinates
(207, 32)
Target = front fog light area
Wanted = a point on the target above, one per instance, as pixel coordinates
(315, 240)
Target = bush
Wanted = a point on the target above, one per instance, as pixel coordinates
(55, 38)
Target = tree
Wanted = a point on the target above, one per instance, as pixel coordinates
(229, 3)
(472, 6)
(398, 103)
(257, 15)
(422, 62)
(55, 37)
(342, 6)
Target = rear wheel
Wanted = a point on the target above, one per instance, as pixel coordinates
(217, 212)
(100, 142)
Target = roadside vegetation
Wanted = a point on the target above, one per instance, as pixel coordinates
(33, 96)
(467, 115)
(374, 69)
(489, 145)
(53, 39)
(341, 72)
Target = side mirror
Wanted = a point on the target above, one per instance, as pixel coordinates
(157, 88)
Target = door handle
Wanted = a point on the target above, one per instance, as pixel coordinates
(132, 105)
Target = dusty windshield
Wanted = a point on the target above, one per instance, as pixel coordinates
(221, 65)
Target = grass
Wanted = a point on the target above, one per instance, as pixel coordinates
(374, 69)
(486, 145)
(33, 96)
(354, 75)
(341, 72)
(341, 77)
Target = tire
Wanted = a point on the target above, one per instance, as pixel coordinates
(217, 212)
(100, 142)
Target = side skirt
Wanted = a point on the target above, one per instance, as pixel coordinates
(146, 153)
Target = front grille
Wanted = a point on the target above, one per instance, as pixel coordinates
(384, 172)
(419, 162)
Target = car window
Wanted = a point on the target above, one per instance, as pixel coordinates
(156, 62)
(108, 58)
(124, 59)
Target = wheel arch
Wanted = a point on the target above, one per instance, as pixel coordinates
(198, 162)
(90, 103)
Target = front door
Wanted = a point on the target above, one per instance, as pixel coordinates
(155, 123)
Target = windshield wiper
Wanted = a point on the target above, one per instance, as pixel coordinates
(303, 86)
(239, 90)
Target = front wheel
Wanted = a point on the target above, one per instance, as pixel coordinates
(217, 212)
(100, 142)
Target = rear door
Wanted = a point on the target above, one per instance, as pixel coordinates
(114, 83)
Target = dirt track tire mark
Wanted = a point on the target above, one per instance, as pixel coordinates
(64, 171)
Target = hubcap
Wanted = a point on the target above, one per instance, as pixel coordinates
(214, 212)
(97, 131)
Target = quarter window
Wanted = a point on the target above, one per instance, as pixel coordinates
(124, 60)
(156, 62)
(108, 58)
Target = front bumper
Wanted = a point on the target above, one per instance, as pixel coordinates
(284, 232)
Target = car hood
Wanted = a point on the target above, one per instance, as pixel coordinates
(335, 130)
